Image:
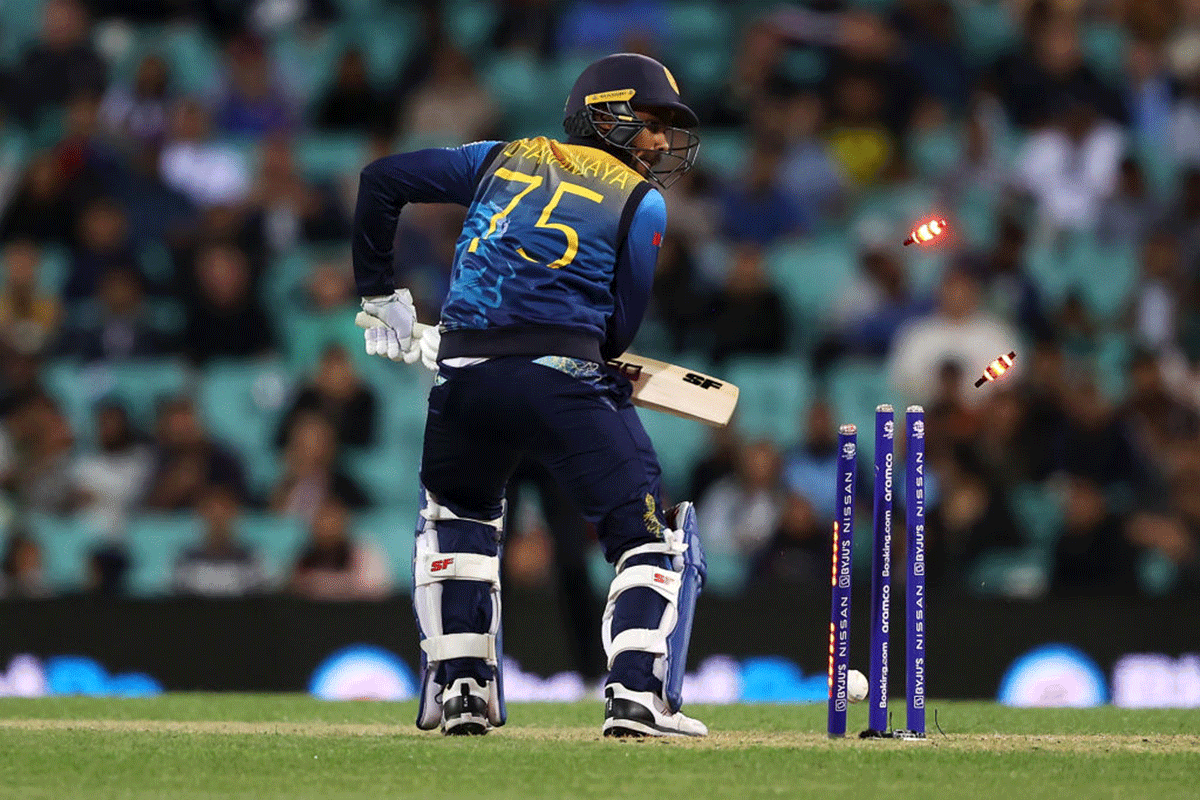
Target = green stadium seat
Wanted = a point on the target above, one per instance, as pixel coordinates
(812, 273)
(391, 529)
(774, 396)
(327, 157)
(155, 541)
(310, 59)
(53, 267)
(1157, 574)
(518, 85)
(986, 30)
(138, 385)
(679, 443)
(279, 541)
(1104, 48)
(854, 388)
(1021, 573)
(934, 154)
(389, 472)
(241, 404)
(1159, 165)
(193, 58)
(66, 543)
(723, 152)
(469, 24)
(1039, 513)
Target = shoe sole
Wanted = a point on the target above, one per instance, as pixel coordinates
(632, 729)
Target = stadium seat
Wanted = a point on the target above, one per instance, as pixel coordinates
(1104, 47)
(391, 529)
(722, 152)
(854, 390)
(310, 59)
(155, 541)
(193, 58)
(386, 38)
(278, 541)
(326, 157)
(66, 543)
(1011, 573)
(679, 444)
(388, 472)
(774, 396)
(986, 31)
(1039, 513)
(935, 153)
(138, 385)
(470, 24)
(812, 274)
(241, 403)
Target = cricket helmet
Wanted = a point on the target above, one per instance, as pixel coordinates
(601, 106)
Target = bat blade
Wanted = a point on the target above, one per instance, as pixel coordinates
(678, 390)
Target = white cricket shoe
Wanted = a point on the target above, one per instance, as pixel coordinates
(464, 709)
(629, 713)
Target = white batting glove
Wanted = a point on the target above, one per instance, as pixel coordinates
(388, 322)
(430, 341)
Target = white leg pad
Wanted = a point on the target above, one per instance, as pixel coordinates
(430, 568)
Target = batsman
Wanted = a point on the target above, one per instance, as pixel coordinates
(552, 275)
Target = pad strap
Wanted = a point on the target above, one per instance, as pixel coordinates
(663, 581)
(432, 567)
(460, 645)
(643, 640)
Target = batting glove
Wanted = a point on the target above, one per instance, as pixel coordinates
(388, 322)
(430, 341)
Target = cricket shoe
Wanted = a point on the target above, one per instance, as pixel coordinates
(629, 713)
(464, 711)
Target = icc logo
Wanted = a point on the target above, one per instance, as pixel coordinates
(919, 429)
(848, 450)
(888, 428)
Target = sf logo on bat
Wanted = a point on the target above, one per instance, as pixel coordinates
(702, 381)
(631, 371)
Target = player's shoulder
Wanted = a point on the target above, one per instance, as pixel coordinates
(581, 161)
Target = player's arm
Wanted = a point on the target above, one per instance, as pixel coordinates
(440, 175)
(634, 275)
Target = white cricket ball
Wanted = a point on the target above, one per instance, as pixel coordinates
(856, 686)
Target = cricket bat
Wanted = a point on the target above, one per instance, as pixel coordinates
(657, 385)
(678, 390)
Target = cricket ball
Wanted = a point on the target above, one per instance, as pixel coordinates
(856, 686)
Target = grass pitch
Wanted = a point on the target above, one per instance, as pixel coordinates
(291, 747)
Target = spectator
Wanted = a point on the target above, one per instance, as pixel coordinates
(254, 102)
(207, 172)
(798, 551)
(1160, 424)
(44, 208)
(1071, 167)
(1050, 65)
(755, 67)
(527, 26)
(1155, 304)
(971, 518)
(1132, 210)
(1097, 445)
(1011, 292)
(933, 53)
(341, 396)
(103, 245)
(1149, 97)
(139, 113)
(107, 570)
(1093, 551)
(859, 141)
(310, 474)
(810, 466)
(61, 65)
(285, 210)
(1003, 446)
(452, 106)
(115, 475)
(880, 302)
(187, 461)
(606, 26)
(45, 478)
(352, 104)
(158, 215)
(953, 424)
(29, 318)
(958, 331)
(807, 173)
(21, 572)
(757, 210)
(120, 328)
(748, 315)
(740, 512)
(678, 301)
(221, 566)
(333, 565)
(224, 318)
(718, 461)
(1185, 122)
(1184, 218)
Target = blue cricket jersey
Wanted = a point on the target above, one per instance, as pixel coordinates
(556, 256)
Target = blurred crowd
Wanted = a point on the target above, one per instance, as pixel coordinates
(160, 163)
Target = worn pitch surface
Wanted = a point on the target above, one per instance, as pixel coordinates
(292, 747)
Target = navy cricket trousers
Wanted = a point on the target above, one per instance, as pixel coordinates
(575, 418)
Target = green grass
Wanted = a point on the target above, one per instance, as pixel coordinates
(291, 747)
